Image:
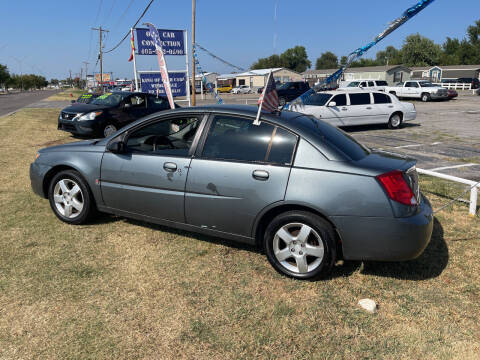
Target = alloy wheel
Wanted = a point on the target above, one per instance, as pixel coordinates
(298, 248)
(68, 198)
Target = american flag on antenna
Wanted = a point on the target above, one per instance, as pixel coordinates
(268, 101)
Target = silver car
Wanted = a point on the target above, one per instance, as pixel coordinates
(301, 189)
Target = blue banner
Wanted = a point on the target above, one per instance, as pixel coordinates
(152, 81)
(172, 42)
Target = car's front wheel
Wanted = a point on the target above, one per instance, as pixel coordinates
(70, 197)
(300, 245)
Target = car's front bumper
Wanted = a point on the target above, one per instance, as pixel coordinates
(386, 239)
(86, 127)
(37, 175)
(435, 96)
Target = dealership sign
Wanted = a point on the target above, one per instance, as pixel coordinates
(172, 42)
(151, 82)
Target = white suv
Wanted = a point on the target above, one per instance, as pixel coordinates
(372, 85)
(345, 108)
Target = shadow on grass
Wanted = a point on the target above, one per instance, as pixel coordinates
(429, 265)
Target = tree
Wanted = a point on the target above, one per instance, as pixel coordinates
(389, 56)
(4, 75)
(327, 60)
(268, 62)
(418, 50)
(343, 60)
(295, 59)
(473, 33)
(54, 81)
(364, 62)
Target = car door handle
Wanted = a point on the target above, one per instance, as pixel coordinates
(390, 106)
(369, 108)
(344, 108)
(261, 175)
(169, 166)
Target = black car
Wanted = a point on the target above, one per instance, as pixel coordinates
(86, 98)
(291, 90)
(473, 81)
(109, 112)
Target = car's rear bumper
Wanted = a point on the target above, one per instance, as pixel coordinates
(386, 239)
(37, 174)
(409, 115)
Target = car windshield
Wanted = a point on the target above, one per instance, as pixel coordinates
(353, 84)
(426, 84)
(109, 99)
(318, 99)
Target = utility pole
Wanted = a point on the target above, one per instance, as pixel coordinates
(193, 53)
(86, 69)
(100, 54)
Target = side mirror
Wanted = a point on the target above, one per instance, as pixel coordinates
(116, 147)
(332, 104)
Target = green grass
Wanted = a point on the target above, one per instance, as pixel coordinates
(123, 289)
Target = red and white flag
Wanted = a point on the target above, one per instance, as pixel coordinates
(268, 101)
(132, 42)
(161, 63)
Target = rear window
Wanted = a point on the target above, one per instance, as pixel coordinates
(360, 99)
(338, 140)
(382, 83)
(379, 98)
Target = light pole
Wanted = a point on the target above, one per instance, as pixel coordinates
(193, 53)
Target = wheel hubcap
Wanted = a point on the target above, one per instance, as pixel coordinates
(298, 248)
(109, 130)
(68, 198)
(395, 120)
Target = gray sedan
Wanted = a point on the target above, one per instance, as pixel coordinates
(298, 187)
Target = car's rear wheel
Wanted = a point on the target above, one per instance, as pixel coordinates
(109, 129)
(301, 245)
(425, 97)
(395, 121)
(70, 197)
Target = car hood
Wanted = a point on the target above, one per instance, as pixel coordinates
(80, 108)
(85, 145)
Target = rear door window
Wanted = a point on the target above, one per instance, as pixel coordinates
(371, 84)
(382, 83)
(411, 84)
(359, 99)
(379, 98)
(237, 139)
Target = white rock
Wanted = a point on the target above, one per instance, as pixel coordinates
(368, 305)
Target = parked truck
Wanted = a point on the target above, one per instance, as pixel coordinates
(418, 89)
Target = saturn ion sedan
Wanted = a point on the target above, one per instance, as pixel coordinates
(301, 189)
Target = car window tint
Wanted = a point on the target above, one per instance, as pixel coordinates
(282, 148)
(411, 84)
(381, 98)
(363, 84)
(233, 138)
(371, 83)
(382, 83)
(137, 101)
(360, 99)
(338, 140)
(159, 103)
(318, 99)
(168, 137)
(340, 100)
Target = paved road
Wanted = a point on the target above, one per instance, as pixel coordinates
(13, 102)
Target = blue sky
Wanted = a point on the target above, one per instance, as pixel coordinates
(54, 36)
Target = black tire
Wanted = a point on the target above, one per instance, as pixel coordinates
(425, 97)
(88, 208)
(282, 101)
(321, 228)
(395, 121)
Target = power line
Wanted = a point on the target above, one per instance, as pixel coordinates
(98, 11)
(219, 58)
(128, 32)
(110, 11)
(123, 14)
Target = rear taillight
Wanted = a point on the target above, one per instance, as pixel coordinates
(397, 188)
